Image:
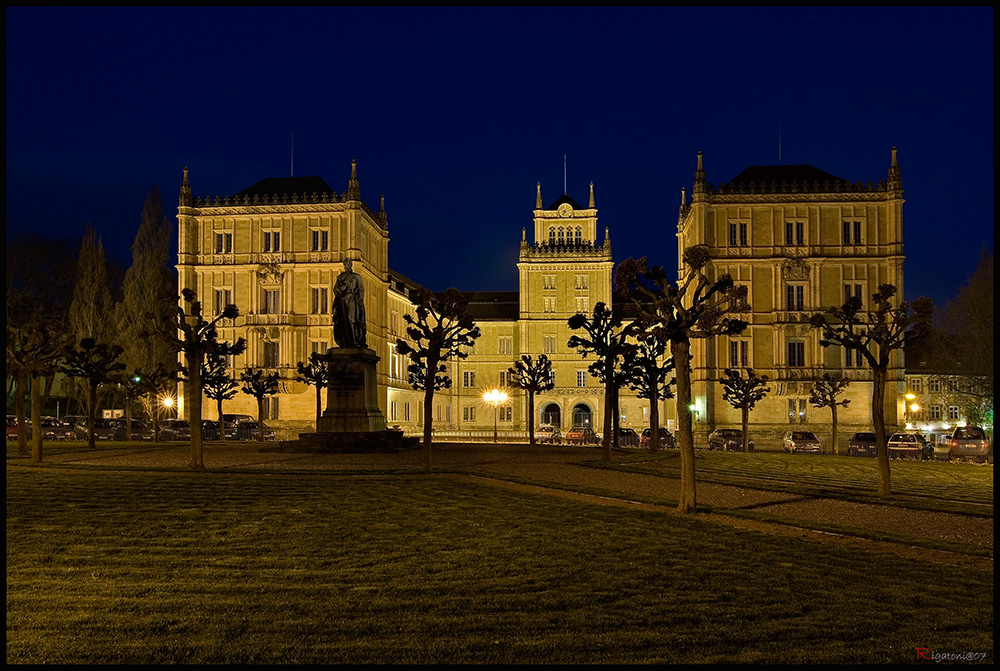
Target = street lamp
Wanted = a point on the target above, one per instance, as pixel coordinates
(906, 407)
(495, 397)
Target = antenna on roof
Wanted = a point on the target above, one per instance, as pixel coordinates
(293, 156)
(564, 174)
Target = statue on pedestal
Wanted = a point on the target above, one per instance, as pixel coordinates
(349, 309)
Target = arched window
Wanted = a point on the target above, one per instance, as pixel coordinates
(562, 238)
(552, 235)
(579, 235)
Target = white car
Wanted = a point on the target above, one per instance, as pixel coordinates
(547, 433)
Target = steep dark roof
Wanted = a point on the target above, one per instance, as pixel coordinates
(289, 185)
(493, 305)
(565, 199)
(783, 173)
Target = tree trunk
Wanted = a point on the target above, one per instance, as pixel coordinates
(688, 498)
(609, 409)
(91, 414)
(833, 427)
(531, 417)
(22, 420)
(260, 419)
(879, 374)
(193, 392)
(36, 419)
(428, 418)
(654, 417)
(746, 424)
(222, 428)
(319, 403)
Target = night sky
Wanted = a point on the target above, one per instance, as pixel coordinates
(456, 114)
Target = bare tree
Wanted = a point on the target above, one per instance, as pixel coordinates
(604, 339)
(877, 335)
(260, 385)
(534, 377)
(218, 384)
(697, 308)
(196, 337)
(316, 373)
(153, 384)
(824, 395)
(646, 368)
(743, 393)
(96, 363)
(441, 331)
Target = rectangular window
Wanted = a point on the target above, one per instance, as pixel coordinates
(934, 385)
(505, 345)
(272, 241)
(270, 354)
(320, 346)
(549, 344)
(270, 407)
(469, 379)
(789, 232)
(802, 411)
(506, 414)
(795, 296)
(271, 302)
(581, 304)
(393, 412)
(800, 238)
(223, 243)
(406, 412)
(504, 379)
(469, 413)
(851, 358)
(852, 291)
(935, 412)
(320, 240)
(320, 300)
(548, 281)
(915, 384)
(847, 232)
(952, 412)
(739, 354)
(796, 354)
(737, 234)
(581, 281)
(857, 232)
(581, 378)
(223, 297)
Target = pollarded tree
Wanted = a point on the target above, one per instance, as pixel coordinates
(196, 337)
(441, 331)
(605, 340)
(260, 385)
(824, 395)
(877, 335)
(96, 363)
(34, 352)
(218, 384)
(743, 393)
(646, 368)
(534, 377)
(316, 374)
(696, 308)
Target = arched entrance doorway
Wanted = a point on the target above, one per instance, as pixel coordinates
(551, 415)
(581, 415)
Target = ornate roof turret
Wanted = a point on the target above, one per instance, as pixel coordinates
(353, 188)
(699, 177)
(383, 219)
(591, 206)
(538, 197)
(185, 197)
(895, 180)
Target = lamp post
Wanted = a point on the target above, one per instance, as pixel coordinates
(906, 407)
(495, 397)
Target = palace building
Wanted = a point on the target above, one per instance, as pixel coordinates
(800, 238)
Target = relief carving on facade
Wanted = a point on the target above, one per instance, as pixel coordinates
(795, 269)
(270, 275)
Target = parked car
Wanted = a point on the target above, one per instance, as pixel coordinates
(627, 437)
(862, 444)
(103, 429)
(231, 422)
(11, 427)
(548, 433)
(141, 429)
(666, 438)
(968, 441)
(907, 446)
(175, 429)
(730, 440)
(209, 429)
(801, 441)
(248, 430)
(582, 435)
(55, 429)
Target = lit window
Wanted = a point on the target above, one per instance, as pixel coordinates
(272, 241)
(797, 354)
(469, 379)
(795, 295)
(581, 378)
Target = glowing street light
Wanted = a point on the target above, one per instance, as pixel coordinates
(495, 397)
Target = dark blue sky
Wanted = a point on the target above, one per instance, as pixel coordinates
(456, 114)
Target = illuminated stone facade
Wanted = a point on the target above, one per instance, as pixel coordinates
(801, 240)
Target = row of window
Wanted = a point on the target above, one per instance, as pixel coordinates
(271, 242)
(795, 295)
(794, 233)
(564, 236)
(936, 385)
(580, 282)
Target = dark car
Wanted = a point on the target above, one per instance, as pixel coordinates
(232, 422)
(861, 444)
(141, 429)
(666, 438)
(175, 429)
(729, 440)
(582, 435)
(248, 430)
(907, 446)
(55, 429)
(11, 427)
(627, 437)
(103, 429)
(209, 429)
(968, 441)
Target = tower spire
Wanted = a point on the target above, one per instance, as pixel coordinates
(591, 206)
(538, 197)
(895, 179)
(353, 188)
(185, 197)
(699, 177)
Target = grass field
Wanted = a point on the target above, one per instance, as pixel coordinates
(107, 567)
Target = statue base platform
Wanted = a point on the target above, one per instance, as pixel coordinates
(352, 442)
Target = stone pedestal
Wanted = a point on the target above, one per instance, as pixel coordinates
(352, 393)
(352, 421)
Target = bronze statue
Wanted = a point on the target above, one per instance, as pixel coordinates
(349, 309)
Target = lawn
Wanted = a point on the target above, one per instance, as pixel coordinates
(166, 567)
